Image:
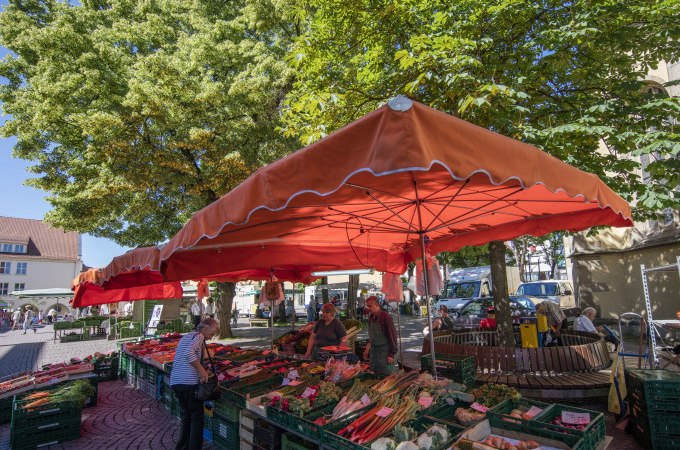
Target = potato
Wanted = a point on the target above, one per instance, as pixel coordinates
(532, 444)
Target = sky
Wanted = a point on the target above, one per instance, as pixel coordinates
(18, 200)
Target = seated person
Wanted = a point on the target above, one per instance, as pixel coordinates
(327, 331)
(443, 322)
(584, 322)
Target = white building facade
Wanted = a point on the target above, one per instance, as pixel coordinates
(33, 255)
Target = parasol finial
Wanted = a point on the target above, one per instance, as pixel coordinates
(400, 103)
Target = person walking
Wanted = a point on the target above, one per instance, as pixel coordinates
(16, 319)
(210, 308)
(187, 373)
(195, 312)
(382, 339)
(28, 319)
(311, 309)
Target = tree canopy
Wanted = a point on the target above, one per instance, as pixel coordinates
(137, 114)
(565, 76)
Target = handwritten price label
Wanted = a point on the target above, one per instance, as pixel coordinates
(534, 411)
(425, 401)
(477, 407)
(574, 418)
(308, 392)
(365, 400)
(384, 412)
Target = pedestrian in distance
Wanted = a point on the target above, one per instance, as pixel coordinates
(195, 312)
(187, 373)
(28, 319)
(16, 319)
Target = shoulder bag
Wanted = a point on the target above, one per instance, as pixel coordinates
(208, 390)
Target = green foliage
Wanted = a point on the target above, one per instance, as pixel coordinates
(138, 114)
(565, 76)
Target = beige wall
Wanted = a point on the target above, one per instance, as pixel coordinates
(612, 282)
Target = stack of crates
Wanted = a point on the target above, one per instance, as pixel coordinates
(459, 368)
(267, 435)
(247, 430)
(225, 432)
(168, 398)
(107, 368)
(654, 402)
(42, 425)
(128, 369)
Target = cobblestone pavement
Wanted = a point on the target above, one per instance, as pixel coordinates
(126, 418)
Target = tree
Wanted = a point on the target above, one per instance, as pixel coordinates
(564, 76)
(465, 257)
(138, 114)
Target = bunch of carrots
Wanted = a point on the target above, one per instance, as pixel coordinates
(370, 426)
(75, 393)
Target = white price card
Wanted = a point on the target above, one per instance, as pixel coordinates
(365, 400)
(425, 401)
(384, 412)
(477, 407)
(308, 392)
(285, 382)
(293, 374)
(533, 411)
(574, 418)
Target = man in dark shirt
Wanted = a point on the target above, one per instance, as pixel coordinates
(382, 339)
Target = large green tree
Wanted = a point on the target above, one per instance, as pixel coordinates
(566, 76)
(137, 114)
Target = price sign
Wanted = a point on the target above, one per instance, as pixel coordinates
(534, 411)
(574, 418)
(308, 392)
(293, 374)
(477, 407)
(384, 412)
(295, 382)
(365, 400)
(285, 382)
(425, 401)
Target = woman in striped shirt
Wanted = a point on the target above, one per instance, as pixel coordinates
(187, 372)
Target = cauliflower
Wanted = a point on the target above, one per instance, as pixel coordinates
(424, 441)
(439, 433)
(383, 444)
(408, 445)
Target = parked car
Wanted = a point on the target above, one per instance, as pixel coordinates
(472, 313)
(557, 291)
(472, 282)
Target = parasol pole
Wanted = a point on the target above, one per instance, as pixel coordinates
(401, 356)
(421, 234)
(271, 319)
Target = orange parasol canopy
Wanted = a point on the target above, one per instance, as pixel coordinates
(89, 294)
(366, 194)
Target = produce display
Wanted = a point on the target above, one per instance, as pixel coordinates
(406, 438)
(76, 393)
(48, 375)
(503, 444)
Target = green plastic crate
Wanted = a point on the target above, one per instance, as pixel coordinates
(227, 410)
(502, 410)
(336, 441)
(654, 389)
(290, 441)
(50, 433)
(224, 429)
(47, 413)
(459, 368)
(592, 434)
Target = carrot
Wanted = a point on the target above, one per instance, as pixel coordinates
(36, 403)
(37, 395)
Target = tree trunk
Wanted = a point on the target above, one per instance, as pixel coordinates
(324, 291)
(225, 300)
(501, 299)
(352, 288)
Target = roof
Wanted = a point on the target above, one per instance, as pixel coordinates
(42, 241)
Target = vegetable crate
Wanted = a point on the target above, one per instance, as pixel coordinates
(238, 395)
(303, 425)
(655, 429)
(501, 412)
(338, 442)
(227, 410)
(267, 435)
(654, 390)
(290, 441)
(225, 433)
(592, 433)
(107, 369)
(459, 368)
(443, 413)
(47, 423)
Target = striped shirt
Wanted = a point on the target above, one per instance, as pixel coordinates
(189, 349)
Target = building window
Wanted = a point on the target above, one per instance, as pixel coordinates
(4, 288)
(19, 286)
(19, 248)
(7, 248)
(22, 267)
(5, 267)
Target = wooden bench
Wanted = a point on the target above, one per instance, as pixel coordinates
(259, 322)
(537, 372)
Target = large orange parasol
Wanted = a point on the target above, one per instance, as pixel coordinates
(379, 191)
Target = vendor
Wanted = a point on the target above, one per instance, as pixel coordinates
(382, 339)
(327, 331)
